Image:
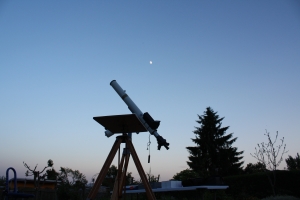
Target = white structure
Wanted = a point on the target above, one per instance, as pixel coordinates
(171, 184)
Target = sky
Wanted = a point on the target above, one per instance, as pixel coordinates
(57, 59)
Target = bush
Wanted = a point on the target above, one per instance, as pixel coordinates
(281, 198)
(72, 184)
(257, 185)
(293, 163)
(2, 181)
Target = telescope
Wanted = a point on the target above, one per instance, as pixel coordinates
(126, 124)
(147, 121)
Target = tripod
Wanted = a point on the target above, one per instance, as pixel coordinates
(122, 169)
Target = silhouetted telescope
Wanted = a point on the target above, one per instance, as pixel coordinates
(146, 120)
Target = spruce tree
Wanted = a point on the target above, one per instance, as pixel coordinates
(213, 154)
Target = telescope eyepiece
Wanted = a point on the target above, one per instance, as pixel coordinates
(162, 142)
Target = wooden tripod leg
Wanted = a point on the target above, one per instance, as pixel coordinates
(114, 194)
(123, 177)
(104, 169)
(118, 181)
(149, 192)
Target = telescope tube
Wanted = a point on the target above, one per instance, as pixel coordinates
(134, 109)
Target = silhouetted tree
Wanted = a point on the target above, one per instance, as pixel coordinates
(270, 155)
(112, 172)
(214, 153)
(2, 181)
(51, 174)
(254, 168)
(293, 163)
(37, 174)
(185, 175)
(72, 184)
(152, 178)
(129, 179)
(72, 177)
(111, 175)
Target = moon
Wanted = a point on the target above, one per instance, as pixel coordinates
(150, 62)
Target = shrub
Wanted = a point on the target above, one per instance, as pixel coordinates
(2, 181)
(281, 198)
(257, 185)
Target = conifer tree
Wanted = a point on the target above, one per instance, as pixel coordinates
(214, 154)
(293, 163)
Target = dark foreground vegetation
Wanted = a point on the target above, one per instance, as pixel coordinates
(254, 186)
(257, 185)
(241, 187)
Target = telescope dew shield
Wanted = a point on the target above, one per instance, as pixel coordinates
(148, 122)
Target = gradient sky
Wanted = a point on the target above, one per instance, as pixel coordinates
(57, 59)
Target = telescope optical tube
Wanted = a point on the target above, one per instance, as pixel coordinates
(135, 110)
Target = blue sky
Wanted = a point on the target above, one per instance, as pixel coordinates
(57, 59)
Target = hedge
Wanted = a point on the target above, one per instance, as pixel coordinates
(258, 185)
